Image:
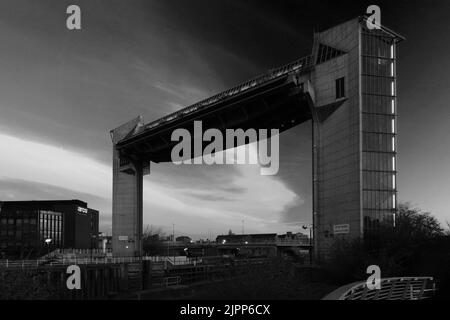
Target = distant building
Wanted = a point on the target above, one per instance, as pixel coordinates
(183, 239)
(247, 238)
(292, 236)
(262, 244)
(250, 245)
(26, 225)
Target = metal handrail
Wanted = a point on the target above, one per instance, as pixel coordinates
(26, 264)
(397, 288)
(302, 242)
(305, 242)
(171, 281)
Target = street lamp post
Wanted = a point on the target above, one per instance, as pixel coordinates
(310, 240)
(173, 240)
(168, 247)
(47, 242)
(93, 241)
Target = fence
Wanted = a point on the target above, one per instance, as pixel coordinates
(26, 264)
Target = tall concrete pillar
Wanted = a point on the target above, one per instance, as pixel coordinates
(127, 196)
(336, 137)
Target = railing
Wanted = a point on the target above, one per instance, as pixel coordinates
(293, 242)
(59, 254)
(79, 251)
(295, 66)
(171, 281)
(27, 264)
(288, 242)
(402, 288)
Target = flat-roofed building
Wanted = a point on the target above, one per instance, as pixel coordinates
(31, 228)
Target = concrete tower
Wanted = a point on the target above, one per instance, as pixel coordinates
(354, 132)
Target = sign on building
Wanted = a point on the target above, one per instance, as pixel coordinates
(341, 228)
(82, 210)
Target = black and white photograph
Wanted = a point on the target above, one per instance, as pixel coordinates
(220, 157)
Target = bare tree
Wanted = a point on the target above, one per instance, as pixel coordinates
(151, 231)
(151, 238)
(414, 222)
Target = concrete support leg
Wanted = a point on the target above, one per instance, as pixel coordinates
(127, 212)
(127, 197)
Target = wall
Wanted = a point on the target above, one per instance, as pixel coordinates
(337, 139)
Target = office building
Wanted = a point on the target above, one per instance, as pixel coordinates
(29, 228)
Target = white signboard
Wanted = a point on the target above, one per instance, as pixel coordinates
(341, 228)
(123, 238)
(82, 210)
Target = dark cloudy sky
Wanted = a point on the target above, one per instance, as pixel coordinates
(62, 91)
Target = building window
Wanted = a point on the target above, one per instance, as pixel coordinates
(379, 128)
(340, 88)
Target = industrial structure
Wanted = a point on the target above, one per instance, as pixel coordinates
(346, 87)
